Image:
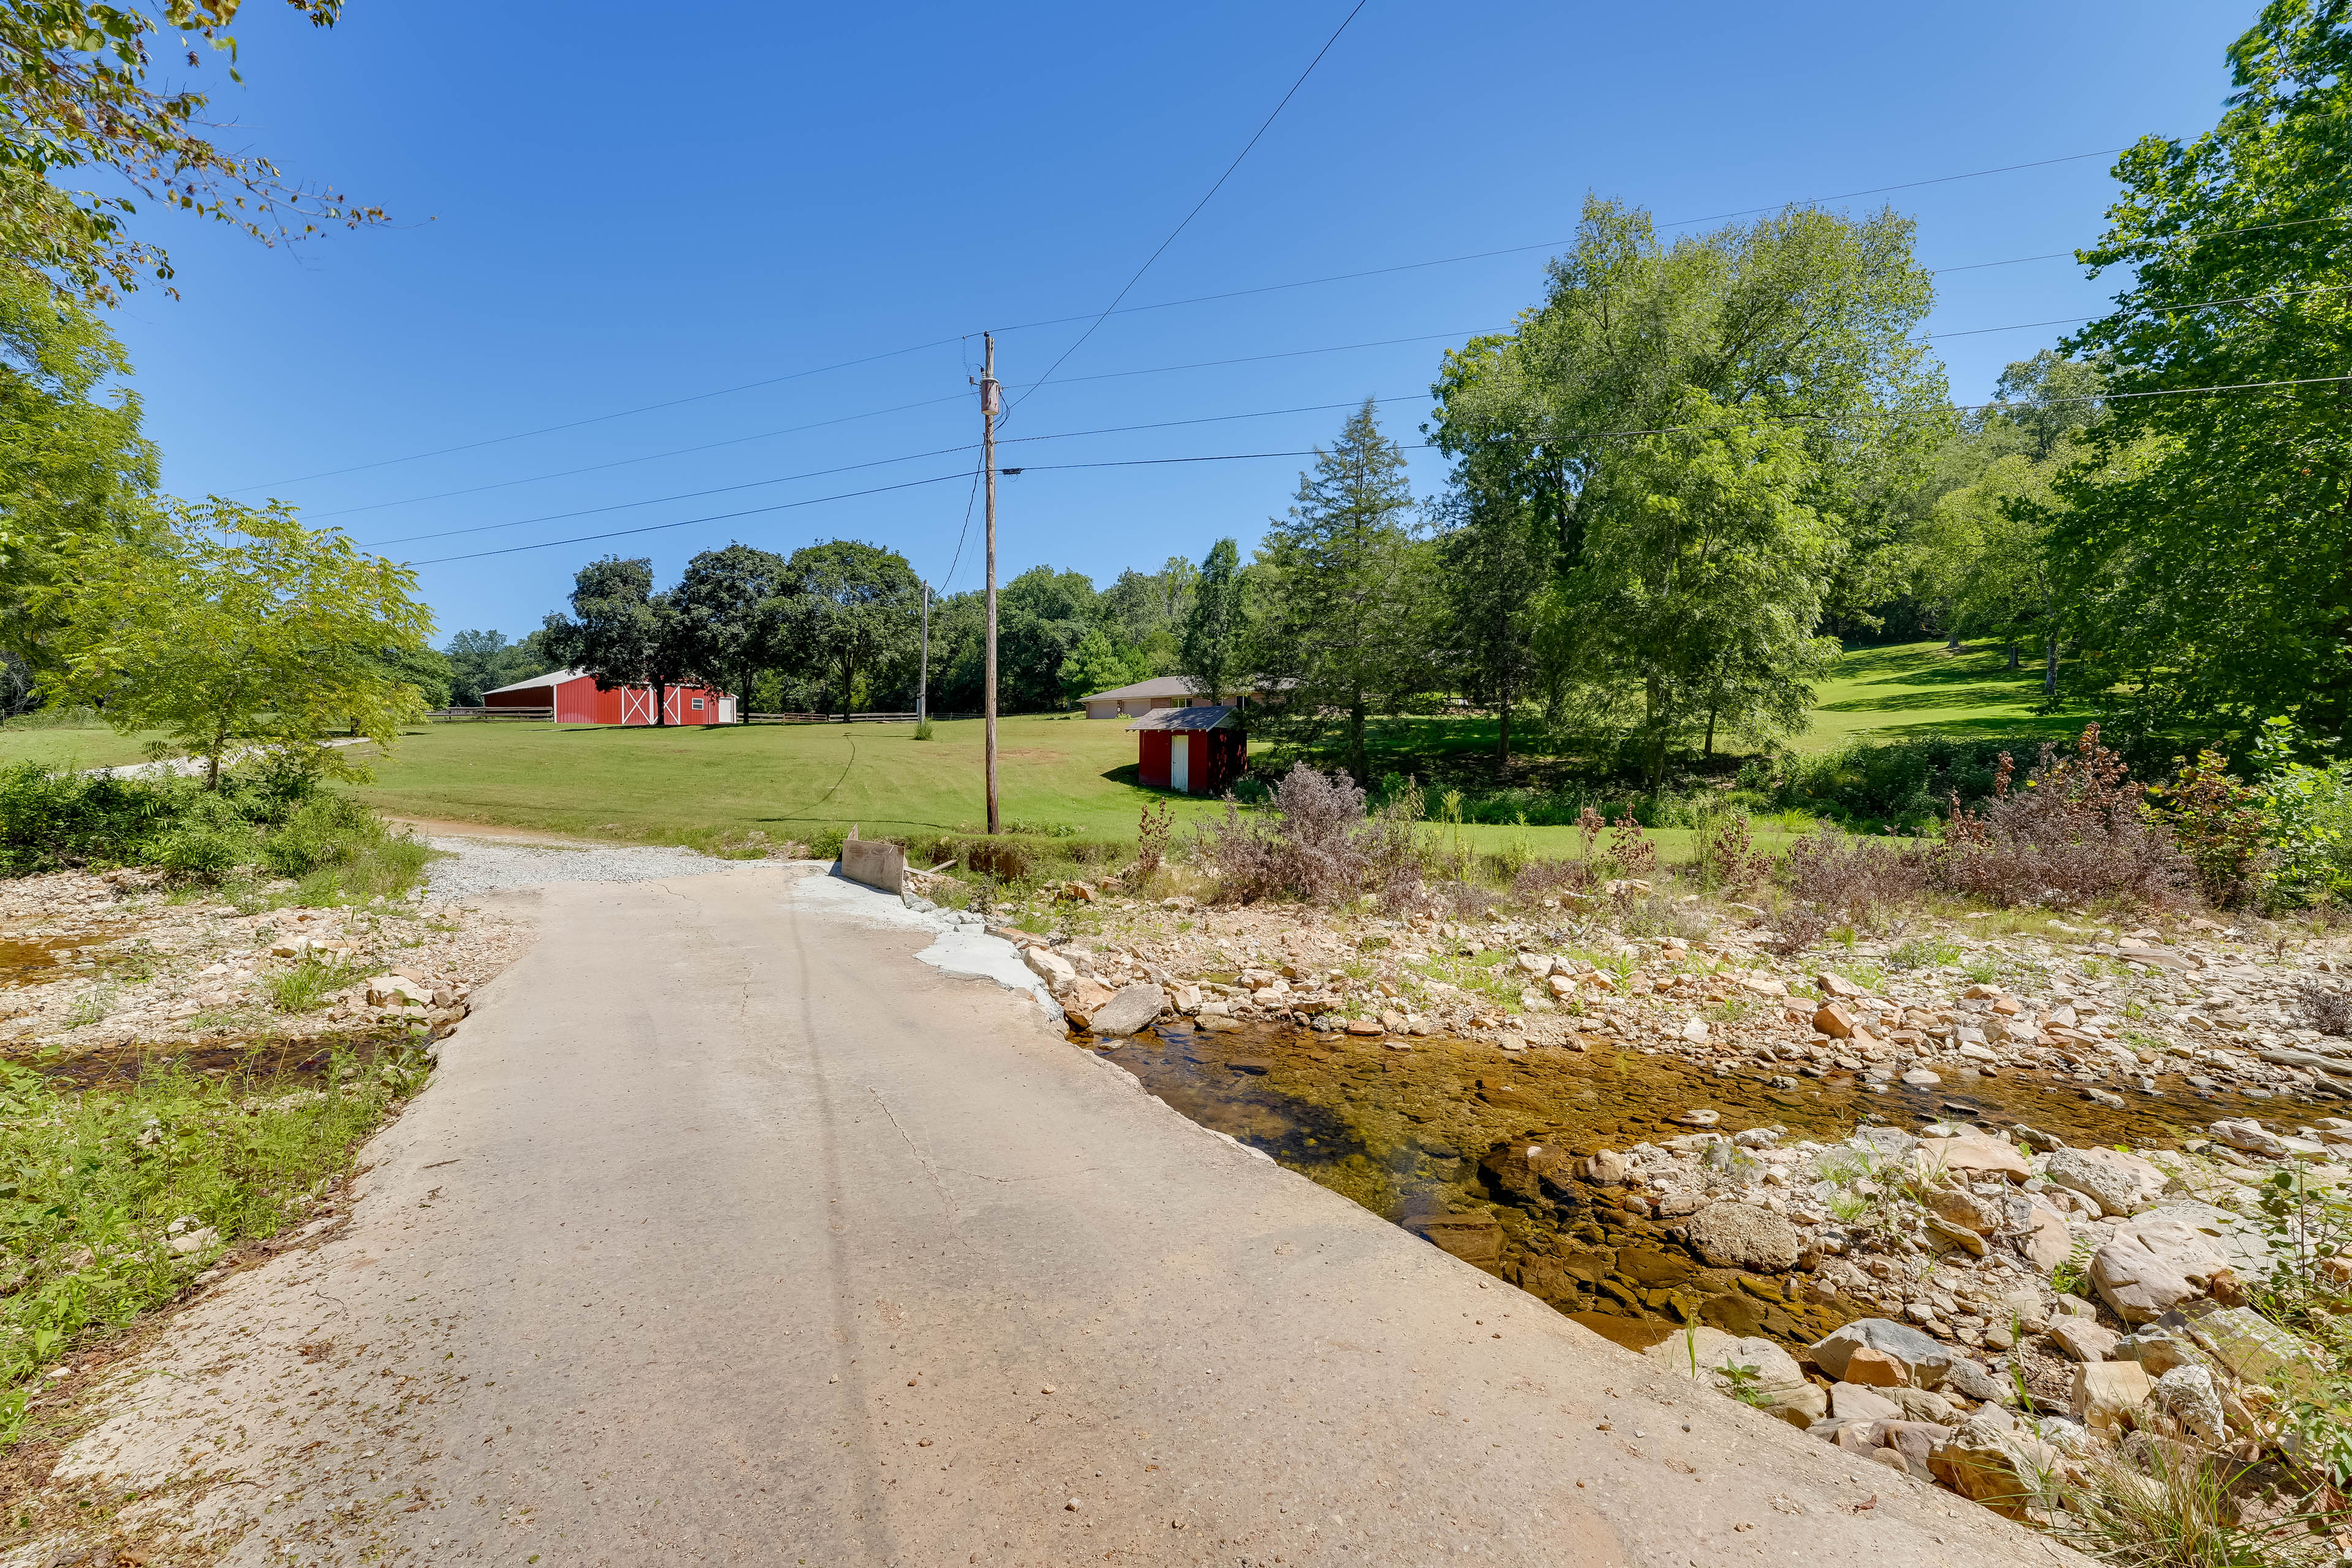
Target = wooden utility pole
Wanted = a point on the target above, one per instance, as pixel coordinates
(923, 681)
(988, 410)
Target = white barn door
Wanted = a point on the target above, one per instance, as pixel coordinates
(1180, 760)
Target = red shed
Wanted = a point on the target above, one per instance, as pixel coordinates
(1192, 751)
(574, 696)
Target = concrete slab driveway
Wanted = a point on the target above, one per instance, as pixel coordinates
(728, 1233)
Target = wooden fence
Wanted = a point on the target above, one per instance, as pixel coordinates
(541, 714)
(854, 718)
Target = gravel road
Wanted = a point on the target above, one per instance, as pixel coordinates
(478, 866)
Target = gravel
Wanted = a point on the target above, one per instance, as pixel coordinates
(477, 866)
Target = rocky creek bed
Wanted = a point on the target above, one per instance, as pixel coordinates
(1990, 1204)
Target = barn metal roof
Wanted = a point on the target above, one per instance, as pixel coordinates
(552, 678)
(1205, 717)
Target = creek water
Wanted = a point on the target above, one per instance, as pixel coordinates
(1441, 1137)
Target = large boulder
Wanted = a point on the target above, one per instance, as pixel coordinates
(2084, 1339)
(2187, 1392)
(1742, 1236)
(2118, 1182)
(2139, 1285)
(2044, 1242)
(2258, 1349)
(1989, 1461)
(1956, 1206)
(2105, 1392)
(1133, 1007)
(1973, 1156)
(1853, 1402)
(1924, 1362)
(1049, 966)
(1778, 1385)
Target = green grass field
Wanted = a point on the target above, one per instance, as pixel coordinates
(788, 781)
(706, 785)
(73, 745)
(1919, 689)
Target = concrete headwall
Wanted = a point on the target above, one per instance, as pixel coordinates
(875, 862)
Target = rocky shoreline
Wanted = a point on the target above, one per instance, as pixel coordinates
(1980, 1303)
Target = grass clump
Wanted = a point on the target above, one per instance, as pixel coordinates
(112, 1200)
(311, 981)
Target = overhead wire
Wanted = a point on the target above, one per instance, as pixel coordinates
(876, 463)
(1180, 228)
(1269, 287)
(1244, 457)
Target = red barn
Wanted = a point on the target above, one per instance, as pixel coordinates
(1192, 751)
(576, 701)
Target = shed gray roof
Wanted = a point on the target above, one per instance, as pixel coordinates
(1205, 717)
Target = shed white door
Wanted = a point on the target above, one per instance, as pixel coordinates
(727, 710)
(1179, 759)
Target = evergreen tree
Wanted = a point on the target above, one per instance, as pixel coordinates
(1212, 624)
(1339, 635)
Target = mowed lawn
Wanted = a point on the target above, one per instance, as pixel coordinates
(689, 784)
(1923, 689)
(73, 746)
(700, 786)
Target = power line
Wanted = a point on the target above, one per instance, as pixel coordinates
(599, 419)
(648, 458)
(1203, 201)
(1206, 298)
(2200, 305)
(877, 463)
(1244, 457)
(870, 414)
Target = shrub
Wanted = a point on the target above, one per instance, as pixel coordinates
(2217, 823)
(2327, 1009)
(1151, 833)
(1317, 845)
(1849, 876)
(1727, 854)
(1906, 783)
(2079, 830)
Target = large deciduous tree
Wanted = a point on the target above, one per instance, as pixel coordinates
(1662, 383)
(1497, 557)
(77, 94)
(73, 464)
(2205, 556)
(732, 602)
(623, 633)
(1341, 630)
(1693, 603)
(230, 628)
(849, 610)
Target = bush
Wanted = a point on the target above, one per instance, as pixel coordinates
(1903, 783)
(2079, 830)
(2217, 823)
(281, 820)
(1317, 845)
(1851, 877)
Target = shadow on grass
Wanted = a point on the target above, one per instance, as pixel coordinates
(1945, 697)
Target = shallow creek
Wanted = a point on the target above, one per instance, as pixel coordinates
(1439, 1139)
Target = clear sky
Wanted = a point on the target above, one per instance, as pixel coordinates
(631, 205)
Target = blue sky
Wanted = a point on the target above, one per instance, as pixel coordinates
(631, 208)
